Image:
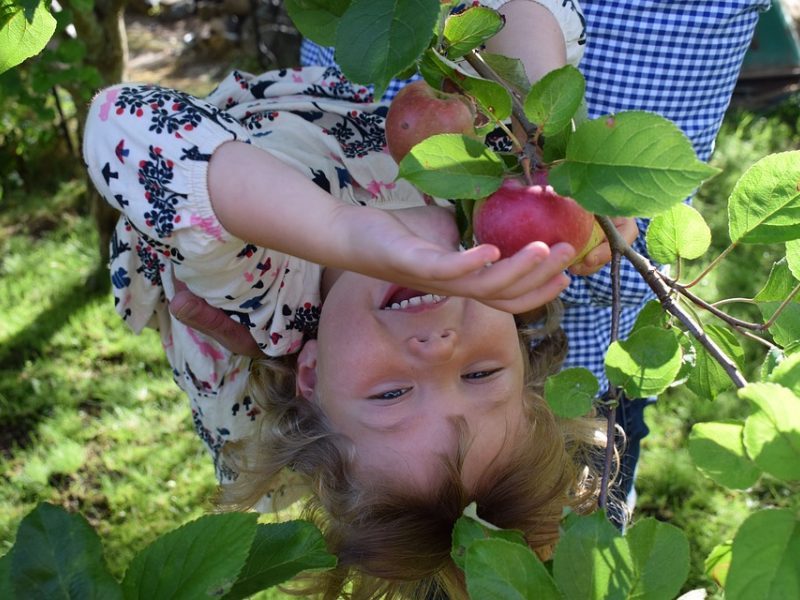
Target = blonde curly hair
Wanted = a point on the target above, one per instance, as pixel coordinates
(395, 543)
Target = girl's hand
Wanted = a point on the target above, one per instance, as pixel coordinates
(600, 255)
(382, 244)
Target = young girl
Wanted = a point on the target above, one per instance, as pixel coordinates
(398, 390)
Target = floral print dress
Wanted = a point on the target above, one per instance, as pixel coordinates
(147, 149)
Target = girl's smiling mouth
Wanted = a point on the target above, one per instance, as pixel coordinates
(409, 300)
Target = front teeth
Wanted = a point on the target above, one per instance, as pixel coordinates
(416, 301)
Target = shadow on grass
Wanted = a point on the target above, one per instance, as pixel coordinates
(32, 341)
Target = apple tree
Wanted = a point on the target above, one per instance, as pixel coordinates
(633, 164)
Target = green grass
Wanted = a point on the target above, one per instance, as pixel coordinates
(90, 418)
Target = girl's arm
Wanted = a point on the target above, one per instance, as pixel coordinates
(259, 199)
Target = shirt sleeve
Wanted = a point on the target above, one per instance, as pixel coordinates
(570, 17)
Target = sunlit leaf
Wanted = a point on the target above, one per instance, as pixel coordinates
(708, 379)
(317, 19)
(491, 97)
(555, 98)
(717, 449)
(765, 563)
(468, 530)
(631, 164)
(646, 363)
(500, 569)
(793, 257)
(571, 392)
(593, 561)
(376, 39)
(780, 284)
(469, 29)
(279, 552)
(772, 432)
(24, 33)
(58, 555)
(652, 546)
(509, 69)
(680, 232)
(453, 166)
(787, 373)
(718, 562)
(189, 563)
(764, 206)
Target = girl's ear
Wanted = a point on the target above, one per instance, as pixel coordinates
(307, 370)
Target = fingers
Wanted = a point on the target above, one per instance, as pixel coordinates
(198, 314)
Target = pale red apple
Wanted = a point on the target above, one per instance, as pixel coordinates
(420, 111)
(518, 214)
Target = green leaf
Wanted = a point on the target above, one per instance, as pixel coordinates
(765, 562)
(469, 29)
(511, 70)
(717, 449)
(680, 232)
(279, 552)
(646, 363)
(492, 98)
(377, 39)
(467, 530)
(774, 357)
(593, 561)
(6, 591)
(786, 329)
(718, 562)
(199, 559)
(632, 164)
(654, 545)
(24, 33)
(787, 373)
(708, 379)
(59, 555)
(317, 19)
(772, 432)
(793, 257)
(500, 569)
(450, 165)
(555, 98)
(764, 205)
(571, 392)
(651, 315)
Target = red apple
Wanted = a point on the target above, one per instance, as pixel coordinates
(518, 214)
(420, 111)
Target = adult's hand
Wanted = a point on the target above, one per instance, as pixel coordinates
(600, 255)
(195, 312)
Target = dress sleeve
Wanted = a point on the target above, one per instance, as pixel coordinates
(570, 17)
(147, 150)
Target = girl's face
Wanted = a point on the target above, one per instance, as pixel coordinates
(393, 381)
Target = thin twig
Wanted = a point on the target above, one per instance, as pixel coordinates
(710, 266)
(733, 321)
(614, 391)
(725, 301)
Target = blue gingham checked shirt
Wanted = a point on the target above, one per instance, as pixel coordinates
(678, 58)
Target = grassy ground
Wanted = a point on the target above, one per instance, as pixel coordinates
(90, 419)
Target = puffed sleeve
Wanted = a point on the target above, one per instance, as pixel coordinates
(570, 17)
(147, 150)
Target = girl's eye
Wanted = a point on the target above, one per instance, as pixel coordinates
(481, 374)
(390, 395)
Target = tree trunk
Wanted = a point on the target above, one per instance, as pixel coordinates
(103, 31)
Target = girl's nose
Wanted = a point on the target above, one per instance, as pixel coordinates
(436, 347)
